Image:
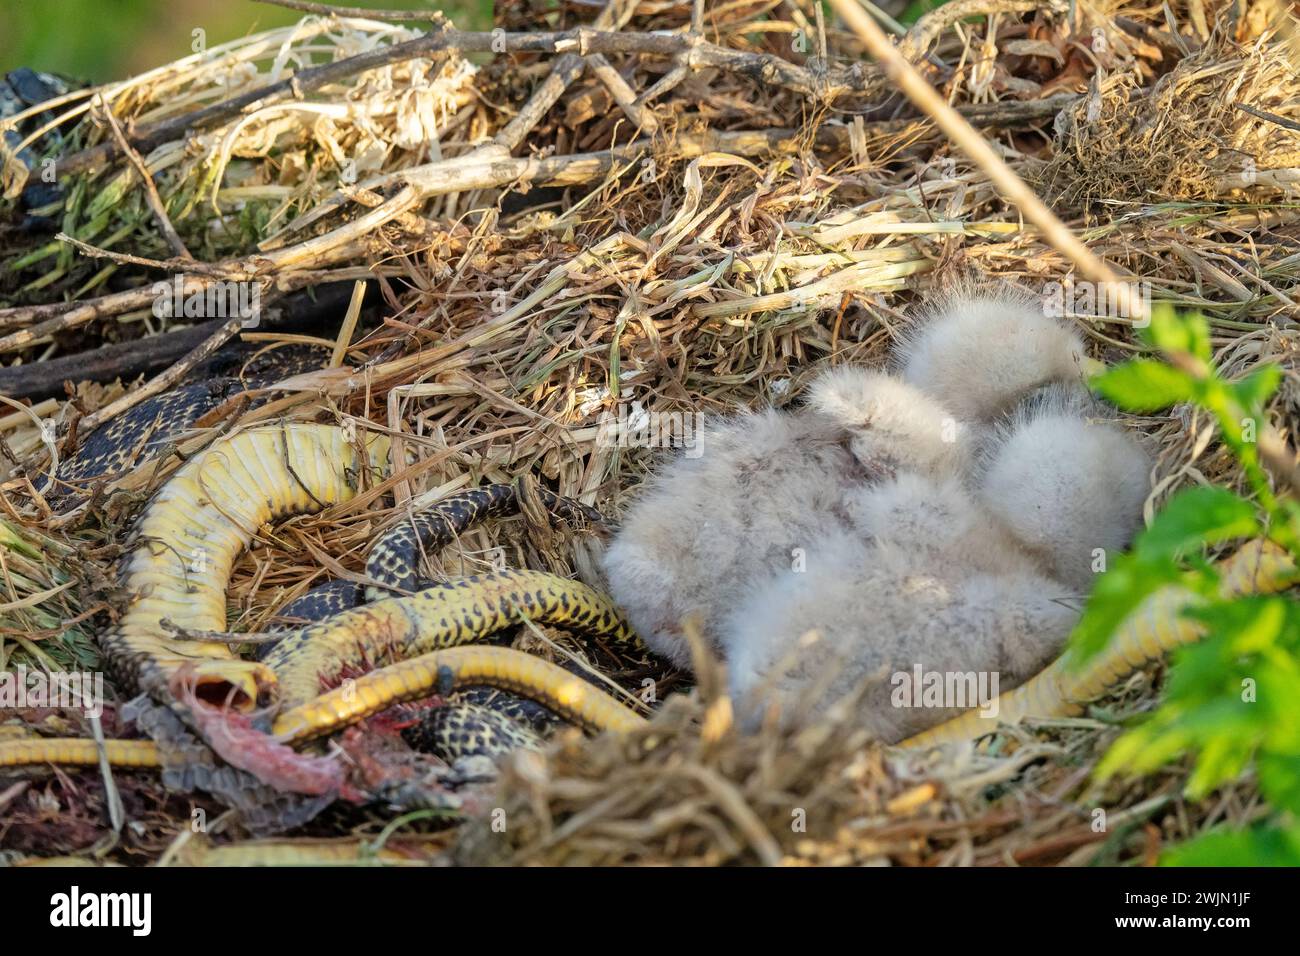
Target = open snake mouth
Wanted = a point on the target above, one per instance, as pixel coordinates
(234, 735)
(238, 686)
(222, 693)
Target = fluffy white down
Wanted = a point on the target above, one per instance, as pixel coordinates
(704, 527)
(979, 352)
(1070, 491)
(825, 550)
(890, 422)
(802, 642)
(764, 490)
(926, 574)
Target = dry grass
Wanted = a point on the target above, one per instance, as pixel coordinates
(1185, 140)
(698, 270)
(689, 789)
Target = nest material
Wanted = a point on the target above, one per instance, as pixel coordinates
(230, 187)
(689, 789)
(707, 267)
(1190, 137)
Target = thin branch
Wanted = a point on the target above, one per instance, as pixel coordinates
(965, 136)
(150, 188)
(170, 265)
(328, 297)
(666, 83)
(1270, 117)
(105, 306)
(328, 10)
(349, 325)
(103, 364)
(622, 94)
(21, 315)
(131, 300)
(565, 70)
(1276, 456)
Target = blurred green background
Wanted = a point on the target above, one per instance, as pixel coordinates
(99, 40)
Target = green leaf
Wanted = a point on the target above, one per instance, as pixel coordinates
(1221, 759)
(1253, 390)
(1259, 846)
(1290, 509)
(1193, 517)
(1145, 385)
(1198, 669)
(1247, 625)
(1171, 332)
(1143, 749)
(1116, 595)
(1279, 779)
(1274, 689)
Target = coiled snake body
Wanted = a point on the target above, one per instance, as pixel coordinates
(197, 524)
(181, 557)
(483, 721)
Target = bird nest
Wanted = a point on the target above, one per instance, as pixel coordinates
(682, 210)
(1213, 126)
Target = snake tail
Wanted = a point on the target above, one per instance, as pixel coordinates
(78, 752)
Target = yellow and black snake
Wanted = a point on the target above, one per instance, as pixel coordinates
(189, 535)
(480, 721)
(206, 514)
(145, 430)
(179, 563)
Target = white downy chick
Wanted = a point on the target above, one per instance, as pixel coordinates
(929, 575)
(1068, 486)
(979, 351)
(766, 488)
(939, 585)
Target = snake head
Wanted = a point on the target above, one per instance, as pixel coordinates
(240, 685)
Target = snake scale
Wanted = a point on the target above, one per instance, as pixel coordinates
(179, 562)
(189, 535)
